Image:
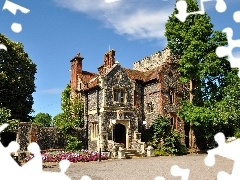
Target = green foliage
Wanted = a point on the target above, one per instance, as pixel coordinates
(17, 75)
(160, 152)
(237, 133)
(216, 116)
(165, 139)
(70, 119)
(57, 119)
(72, 115)
(195, 42)
(43, 119)
(5, 114)
(73, 144)
(215, 104)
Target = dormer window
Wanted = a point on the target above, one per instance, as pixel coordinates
(119, 95)
(149, 107)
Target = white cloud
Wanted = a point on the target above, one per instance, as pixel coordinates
(137, 19)
(52, 91)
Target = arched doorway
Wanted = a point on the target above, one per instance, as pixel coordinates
(120, 134)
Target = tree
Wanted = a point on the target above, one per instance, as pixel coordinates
(5, 114)
(219, 116)
(57, 119)
(70, 119)
(195, 42)
(43, 119)
(17, 75)
(72, 108)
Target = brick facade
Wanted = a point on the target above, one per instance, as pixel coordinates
(141, 93)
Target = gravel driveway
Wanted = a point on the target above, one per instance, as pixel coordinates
(147, 168)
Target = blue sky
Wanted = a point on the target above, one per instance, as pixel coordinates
(54, 31)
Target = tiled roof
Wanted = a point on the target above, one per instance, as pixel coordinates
(135, 74)
(86, 76)
(152, 74)
(143, 76)
(92, 80)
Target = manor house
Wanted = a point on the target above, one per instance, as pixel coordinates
(120, 103)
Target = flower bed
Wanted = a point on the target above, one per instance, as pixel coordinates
(80, 156)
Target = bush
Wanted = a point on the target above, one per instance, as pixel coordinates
(73, 144)
(172, 144)
(160, 152)
(237, 133)
(166, 140)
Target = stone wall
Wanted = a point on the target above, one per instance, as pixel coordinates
(123, 82)
(46, 137)
(139, 104)
(153, 61)
(92, 99)
(151, 95)
(93, 145)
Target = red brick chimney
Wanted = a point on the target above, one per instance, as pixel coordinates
(76, 68)
(109, 61)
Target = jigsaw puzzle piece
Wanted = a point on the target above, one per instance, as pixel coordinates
(222, 51)
(221, 6)
(35, 164)
(236, 16)
(227, 150)
(63, 165)
(159, 178)
(86, 178)
(223, 176)
(182, 8)
(177, 171)
(5, 156)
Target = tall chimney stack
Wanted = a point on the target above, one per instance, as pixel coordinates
(76, 68)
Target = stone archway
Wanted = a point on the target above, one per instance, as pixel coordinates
(120, 134)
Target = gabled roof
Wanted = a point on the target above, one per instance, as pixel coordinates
(143, 76)
(92, 80)
(86, 76)
(135, 74)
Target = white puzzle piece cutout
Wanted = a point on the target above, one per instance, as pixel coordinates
(236, 16)
(228, 150)
(2, 46)
(30, 170)
(223, 51)
(177, 171)
(12, 7)
(182, 8)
